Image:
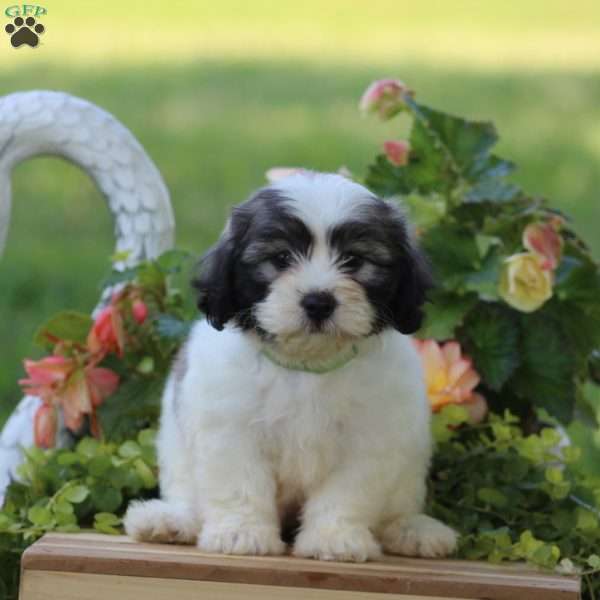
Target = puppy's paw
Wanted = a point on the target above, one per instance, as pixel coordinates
(419, 535)
(250, 539)
(161, 522)
(349, 543)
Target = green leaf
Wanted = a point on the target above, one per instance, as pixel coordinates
(492, 341)
(484, 281)
(444, 315)
(546, 374)
(147, 437)
(99, 465)
(585, 520)
(146, 475)
(453, 253)
(106, 522)
(492, 190)
(594, 561)
(107, 518)
(172, 328)
(134, 406)
(424, 211)
(172, 261)
(129, 449)
(67, 325)
(106, 498)
(492, 496)
(40, 516)
(485, 243)
(88, 447)
(76, 494)
(466, 143)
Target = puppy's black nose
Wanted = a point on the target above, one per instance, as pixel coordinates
(318, 305)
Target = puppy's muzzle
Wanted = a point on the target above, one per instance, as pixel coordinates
(318, 306)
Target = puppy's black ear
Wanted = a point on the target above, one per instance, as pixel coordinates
(414, 279)
(216, 280)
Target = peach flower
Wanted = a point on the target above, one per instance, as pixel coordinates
(397, 152)
(450, 377)
(385, 97)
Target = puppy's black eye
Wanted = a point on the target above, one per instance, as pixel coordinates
(282, 260)
(352, 262)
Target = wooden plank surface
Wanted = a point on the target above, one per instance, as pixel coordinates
(54, 585)
(119, 556)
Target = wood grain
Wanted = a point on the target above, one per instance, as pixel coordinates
(54, 585)
(118, 556)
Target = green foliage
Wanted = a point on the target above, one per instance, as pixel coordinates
(515, 496)
(70, 489)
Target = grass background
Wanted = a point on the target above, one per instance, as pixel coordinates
(218, 92)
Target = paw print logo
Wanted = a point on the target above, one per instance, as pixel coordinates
(24, 32)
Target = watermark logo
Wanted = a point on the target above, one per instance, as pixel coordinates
(25, 28)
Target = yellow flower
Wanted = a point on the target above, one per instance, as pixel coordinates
(524, 283)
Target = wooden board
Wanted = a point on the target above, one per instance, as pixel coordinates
(107, 564)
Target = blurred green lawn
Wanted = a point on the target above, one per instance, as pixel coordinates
(219, 92)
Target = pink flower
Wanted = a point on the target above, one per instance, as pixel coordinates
(84, 392)
(59, 381)
(139, 310)
(397, 152)
(107, 334)
(449, 376)
(101, 383)
(386, 97)
(45, 423)
(46, 376)
(544, 240)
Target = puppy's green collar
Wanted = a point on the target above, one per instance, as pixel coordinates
(336, 362)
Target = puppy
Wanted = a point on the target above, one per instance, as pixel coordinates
(301, 391)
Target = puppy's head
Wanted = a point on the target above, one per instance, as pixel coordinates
(314, 256)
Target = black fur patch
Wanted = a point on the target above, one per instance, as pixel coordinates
(397, 291)
(231, 282)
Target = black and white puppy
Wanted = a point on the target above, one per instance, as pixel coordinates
(301, 390)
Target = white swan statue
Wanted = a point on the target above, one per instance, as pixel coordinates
(54, 123)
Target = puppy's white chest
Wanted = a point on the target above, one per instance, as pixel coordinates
(303, 432)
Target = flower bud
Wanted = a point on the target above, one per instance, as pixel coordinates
(139, 310)
(386, 97)
(397, 152)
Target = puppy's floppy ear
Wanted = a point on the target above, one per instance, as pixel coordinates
(216, 281)
(412, 273)
(414, 280)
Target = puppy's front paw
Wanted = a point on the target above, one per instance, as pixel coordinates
(349, 543)
(419, 535)
(251, 539)
(159, 521)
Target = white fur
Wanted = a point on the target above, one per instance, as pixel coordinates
(243, 440)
